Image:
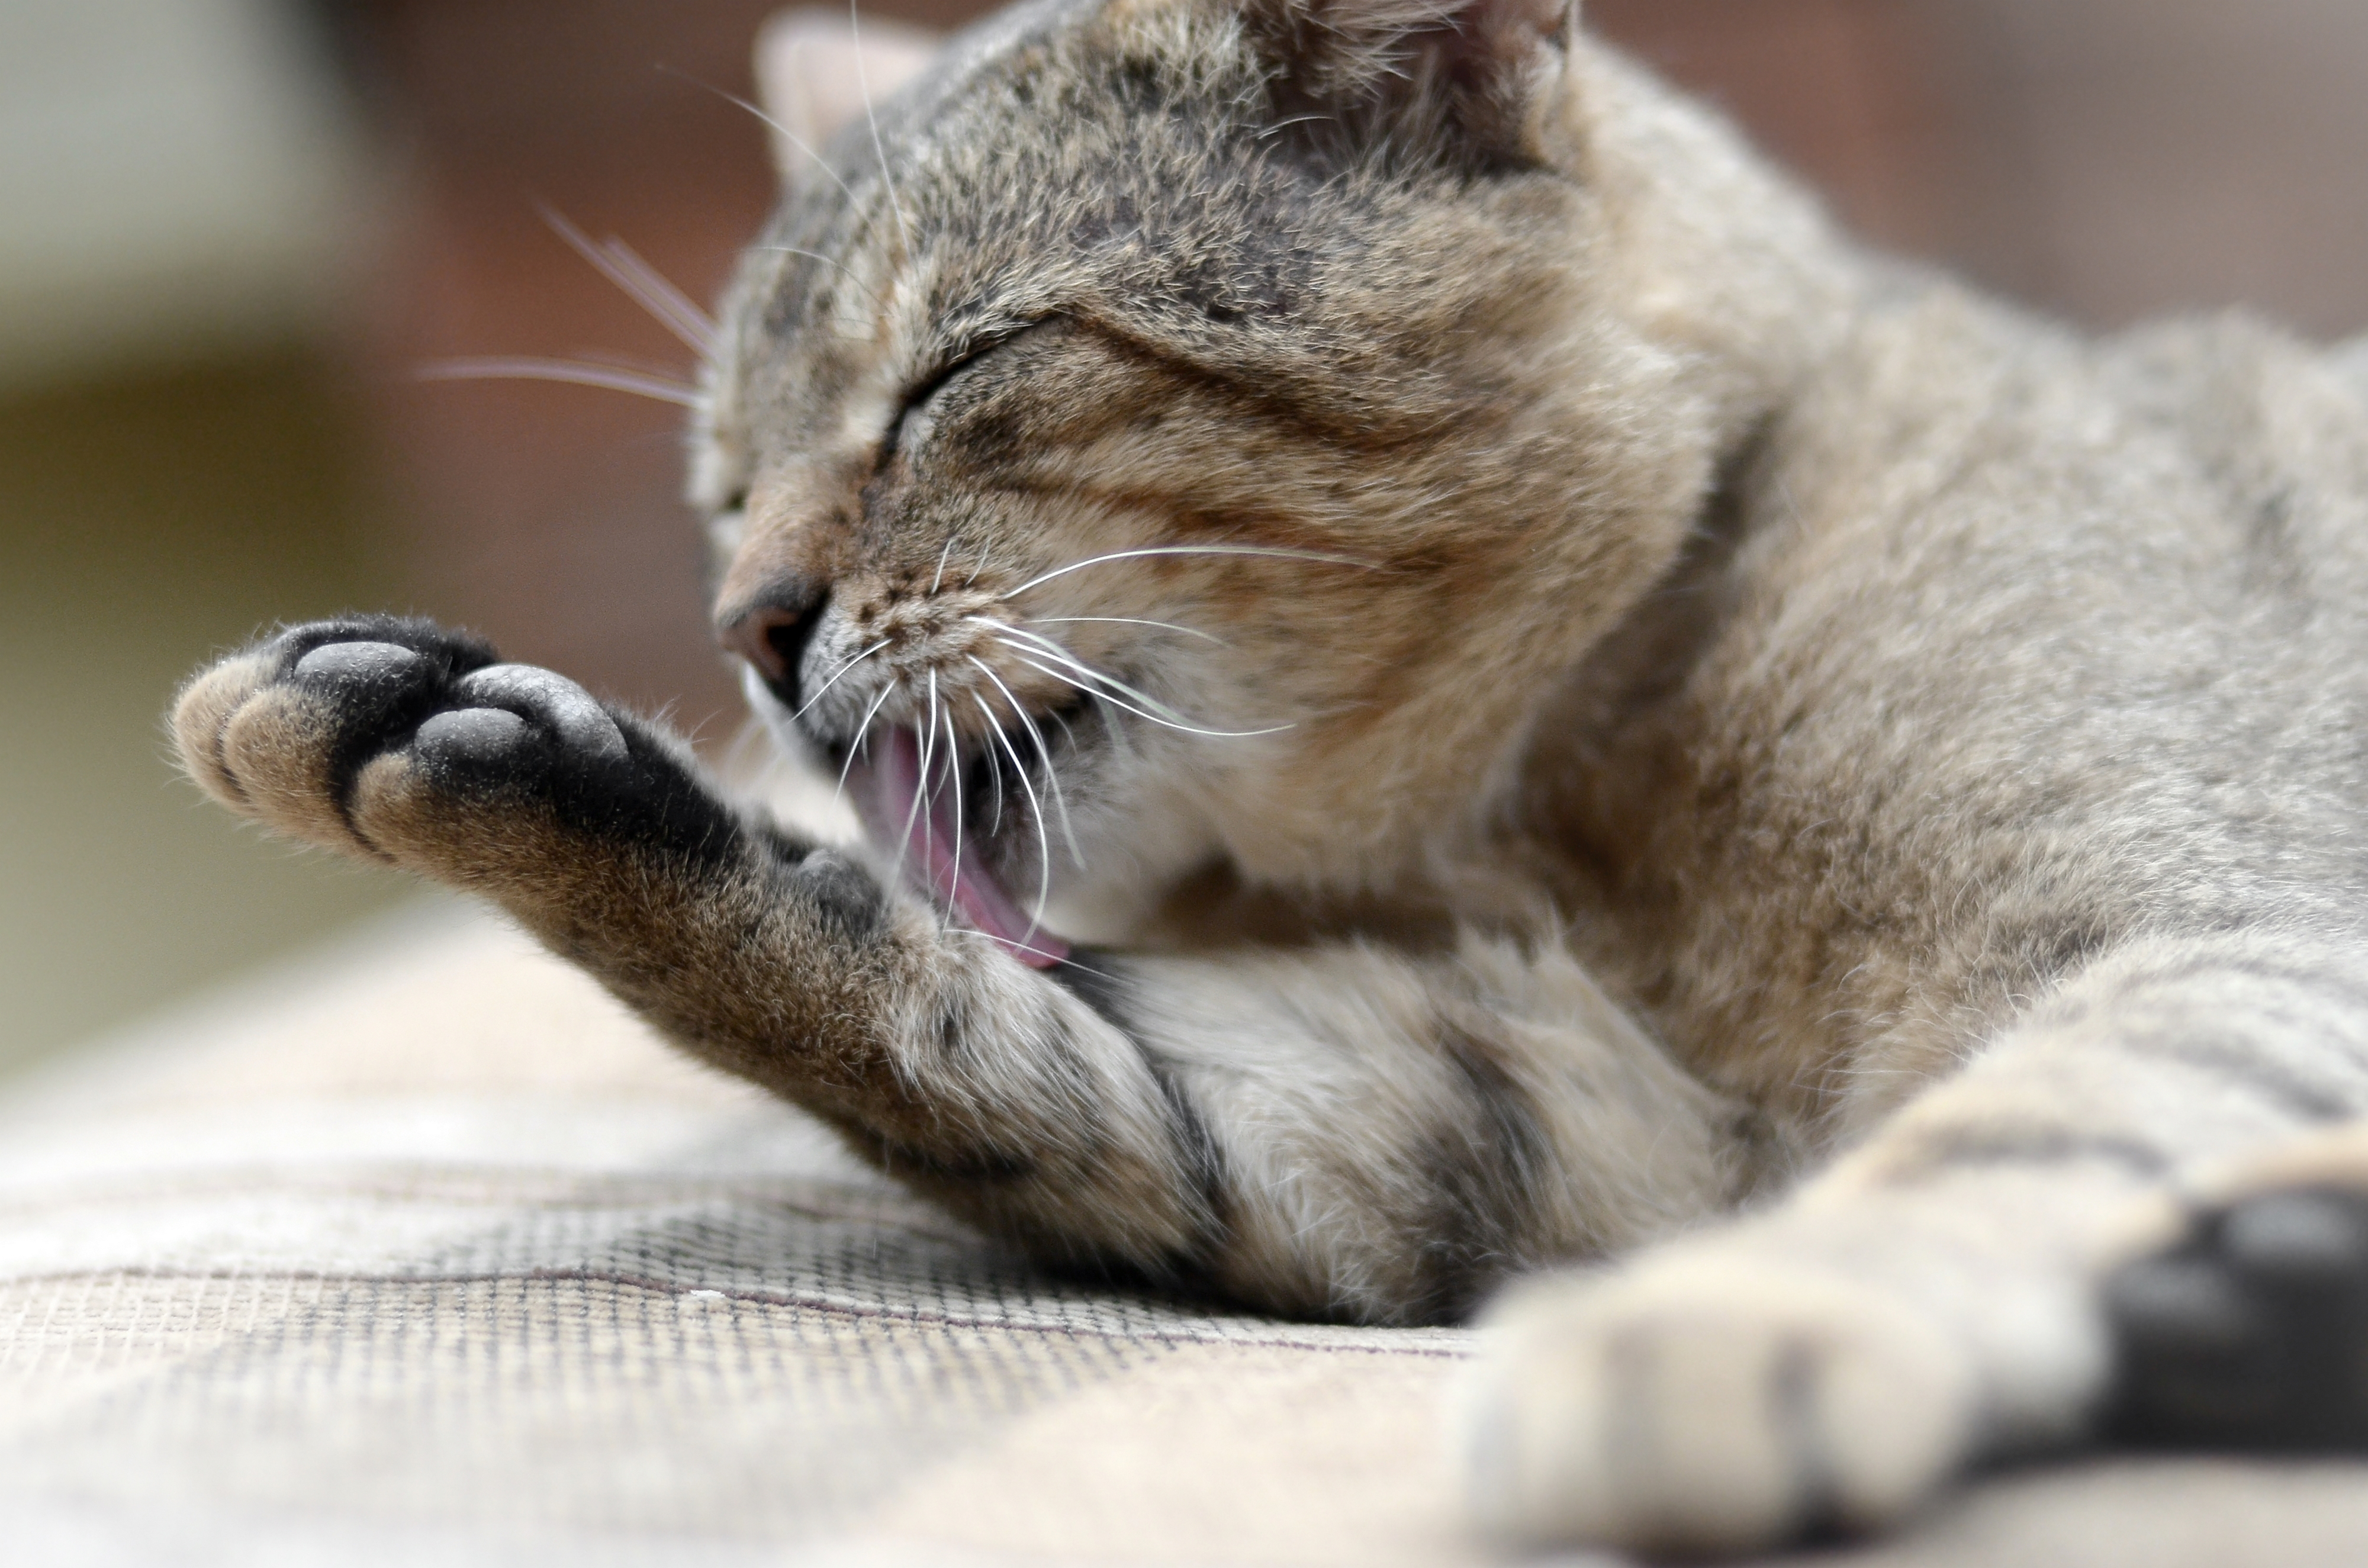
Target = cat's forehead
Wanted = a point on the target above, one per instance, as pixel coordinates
(1066, 153)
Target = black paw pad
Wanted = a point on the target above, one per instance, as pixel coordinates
(2253, 1334)
(360, 664)
(562, 707)
(472, 739)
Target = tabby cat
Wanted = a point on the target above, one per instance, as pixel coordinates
(1445, 684)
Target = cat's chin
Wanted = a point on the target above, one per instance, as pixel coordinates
(913, 810)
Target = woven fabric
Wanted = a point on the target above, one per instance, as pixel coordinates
(433, 1255)
(426, 1253)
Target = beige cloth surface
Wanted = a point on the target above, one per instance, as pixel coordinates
(421, 1252)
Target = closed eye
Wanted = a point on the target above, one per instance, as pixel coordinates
(912, 419)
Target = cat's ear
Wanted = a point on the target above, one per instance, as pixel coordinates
(815, 67)
(1486, 74)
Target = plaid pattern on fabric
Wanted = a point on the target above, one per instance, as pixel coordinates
(425, 1253)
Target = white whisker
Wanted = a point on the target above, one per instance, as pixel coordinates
(953, 774)
(1158, 711)
(863, 83)
(621, 265)
(1060, 796)
(861, 731)
(1123, 621)
(995, 772)
(1068, 832)
(912, 815)
(939, 580)
(1045, 647)
(1190, 550)
(1152, 718)
(775, 126)
(841, 671)
(1061, 960)
(826, 261)
(661, 289)
(928, 758)
(1052, 650)
(1035, 806)
(681, 393)
(1115, 732)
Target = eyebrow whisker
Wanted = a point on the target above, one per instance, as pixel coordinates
(648, 288)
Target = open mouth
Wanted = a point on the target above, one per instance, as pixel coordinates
(916, 814)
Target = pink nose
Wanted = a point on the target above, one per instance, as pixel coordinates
(772, 637)
(763, 637)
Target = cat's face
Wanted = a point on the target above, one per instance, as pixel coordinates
(1168, 450)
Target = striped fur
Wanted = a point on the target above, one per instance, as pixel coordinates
(1567, 706)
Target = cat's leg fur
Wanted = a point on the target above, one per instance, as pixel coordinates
(1341, 1130)
(2248, 1328)
(1933, 1298)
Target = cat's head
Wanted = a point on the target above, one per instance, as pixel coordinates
(1197, 430)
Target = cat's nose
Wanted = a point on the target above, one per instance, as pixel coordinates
(772, 634)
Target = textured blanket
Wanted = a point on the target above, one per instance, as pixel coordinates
(422, 1251)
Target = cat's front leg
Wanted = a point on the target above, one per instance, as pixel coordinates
(1935, 1298)
(782, 960)
(1342, 1131)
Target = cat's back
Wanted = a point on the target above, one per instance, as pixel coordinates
(1974, 484)
(2032, 636)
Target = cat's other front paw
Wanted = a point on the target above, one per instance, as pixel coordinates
(2250, 1330)
(1709, 1405)
(404, 741)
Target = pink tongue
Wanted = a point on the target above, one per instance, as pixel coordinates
(887, 781)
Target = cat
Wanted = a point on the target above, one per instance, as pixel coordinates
(1448, 687)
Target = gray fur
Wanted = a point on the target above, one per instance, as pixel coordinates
(1718, 734)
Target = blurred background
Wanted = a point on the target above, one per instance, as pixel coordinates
(235, 229)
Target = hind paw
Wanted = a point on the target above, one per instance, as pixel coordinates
(405, 741)
(1710, 1405)
(2251, 1331)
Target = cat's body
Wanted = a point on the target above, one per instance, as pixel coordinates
(1577, 700)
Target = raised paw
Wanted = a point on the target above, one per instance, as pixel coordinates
(1709, 1405)
(403, 741)
(2252, 1330)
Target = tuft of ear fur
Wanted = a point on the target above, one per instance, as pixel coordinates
(1466, 79)
(815, 67)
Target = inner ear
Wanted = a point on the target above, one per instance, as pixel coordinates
(816, 67)
(1446, 75)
